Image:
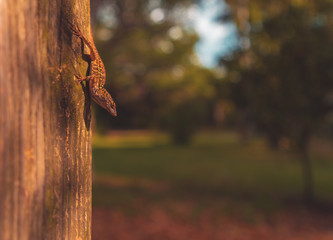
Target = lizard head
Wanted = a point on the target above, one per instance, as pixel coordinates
(104, 99)
(111, 108)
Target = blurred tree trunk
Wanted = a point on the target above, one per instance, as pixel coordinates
(307, 176)
(45, 136)
(303, 152)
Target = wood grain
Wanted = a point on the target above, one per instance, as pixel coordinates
(45, 136)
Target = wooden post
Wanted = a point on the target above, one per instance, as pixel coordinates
(45, 136)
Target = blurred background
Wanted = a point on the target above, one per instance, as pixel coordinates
(225, 122)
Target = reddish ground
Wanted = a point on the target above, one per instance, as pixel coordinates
(161, 224)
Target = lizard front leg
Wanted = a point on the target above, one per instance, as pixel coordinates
(83, 79)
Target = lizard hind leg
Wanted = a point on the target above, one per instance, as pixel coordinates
(75, 29)
(77, 32)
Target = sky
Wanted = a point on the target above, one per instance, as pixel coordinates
(217, 38)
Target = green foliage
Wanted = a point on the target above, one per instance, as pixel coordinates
(182, 120)
(152, 70)
(284, 79)
(184, 107)
(214, 167)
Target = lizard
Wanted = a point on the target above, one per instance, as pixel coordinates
(96, 77)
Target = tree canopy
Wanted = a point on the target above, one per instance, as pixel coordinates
(283, 78)
(152, 69)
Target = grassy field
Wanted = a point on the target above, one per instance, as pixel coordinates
(215, 170)
(215, 188)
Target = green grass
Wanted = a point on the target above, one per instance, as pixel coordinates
(213, 168)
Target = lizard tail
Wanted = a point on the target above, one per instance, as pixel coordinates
(77, 31)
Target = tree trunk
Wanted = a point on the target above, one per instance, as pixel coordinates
(302, 145)
(45, 136)
(307, 176)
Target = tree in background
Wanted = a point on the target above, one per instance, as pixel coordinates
(283, 76)
(153, 71)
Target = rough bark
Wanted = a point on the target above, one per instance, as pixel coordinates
(45, 136)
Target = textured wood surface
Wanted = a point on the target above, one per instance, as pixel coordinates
(45, 136)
